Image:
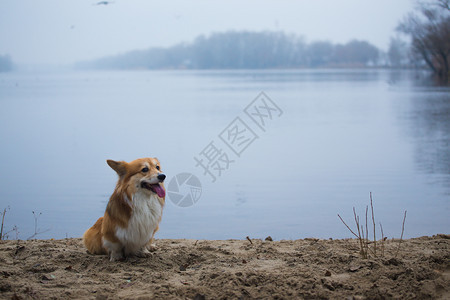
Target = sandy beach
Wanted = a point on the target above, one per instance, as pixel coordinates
(228, 269)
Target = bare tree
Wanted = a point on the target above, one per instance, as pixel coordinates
(444, 4)
(430, 35)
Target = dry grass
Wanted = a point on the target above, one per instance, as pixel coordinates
(367, 247)
(5, 235)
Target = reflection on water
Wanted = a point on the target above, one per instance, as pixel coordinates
(426, 120)
(343, 134)
(430, 115)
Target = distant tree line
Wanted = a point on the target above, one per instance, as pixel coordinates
(429, 46)
(5, 63)
(246, 50)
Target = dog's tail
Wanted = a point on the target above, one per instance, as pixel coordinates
(92, 238)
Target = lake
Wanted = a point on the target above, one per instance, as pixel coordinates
(277, 153)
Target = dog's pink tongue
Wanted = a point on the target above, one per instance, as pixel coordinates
(160, 191)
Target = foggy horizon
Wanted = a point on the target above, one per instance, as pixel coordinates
(54, 33)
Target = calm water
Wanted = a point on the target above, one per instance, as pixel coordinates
(342, 135)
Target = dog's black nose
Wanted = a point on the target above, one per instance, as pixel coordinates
(161, 177)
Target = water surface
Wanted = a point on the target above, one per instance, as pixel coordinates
(342, 135)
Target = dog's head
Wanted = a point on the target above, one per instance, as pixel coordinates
(143, 174)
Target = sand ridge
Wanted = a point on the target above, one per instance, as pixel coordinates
(228, 269)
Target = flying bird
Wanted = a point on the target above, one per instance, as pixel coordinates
(104, 3)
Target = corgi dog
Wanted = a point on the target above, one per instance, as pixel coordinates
(133, 212)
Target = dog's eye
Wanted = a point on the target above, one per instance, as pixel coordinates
(145, 170)
(158, 168)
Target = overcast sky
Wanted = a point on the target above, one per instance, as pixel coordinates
(65, 31)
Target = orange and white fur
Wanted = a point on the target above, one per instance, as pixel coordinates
(133, 212)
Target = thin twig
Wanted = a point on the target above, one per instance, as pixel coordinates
(366, 241)
(374, 227)
(361, 243)
(382, 240)
(3, 221)
(36, 230)
(401, 237)
(249, 240)
(15, 229)
(347, 226)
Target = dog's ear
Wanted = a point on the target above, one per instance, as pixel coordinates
(118, 166)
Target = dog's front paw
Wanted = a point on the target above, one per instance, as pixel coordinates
(116, 256)
(143, 253)
(152, 247)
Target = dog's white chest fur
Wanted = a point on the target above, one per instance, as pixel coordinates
(146, 213)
